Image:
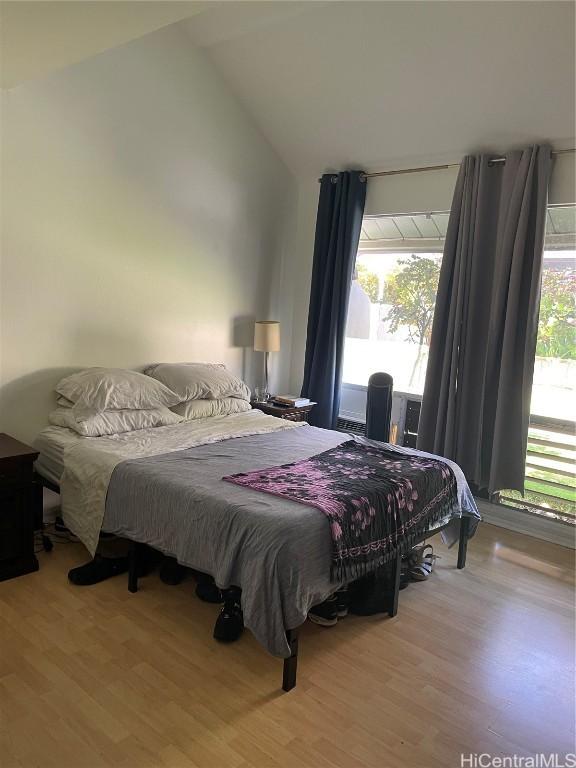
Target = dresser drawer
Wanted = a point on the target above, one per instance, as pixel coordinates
(16, 521)
(16, 470)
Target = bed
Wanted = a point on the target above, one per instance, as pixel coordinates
(164, 487)
(52, 443)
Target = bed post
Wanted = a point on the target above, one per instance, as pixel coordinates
(463, 541)
(396, 572)
(133, 566)
(291, 663)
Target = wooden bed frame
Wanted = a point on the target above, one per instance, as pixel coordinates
(291, 663)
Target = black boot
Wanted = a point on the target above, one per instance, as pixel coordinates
(97, 570)
(207, 590)
(171, 572)
(229, 624)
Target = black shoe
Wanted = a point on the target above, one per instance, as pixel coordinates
(209, 592)
(229, 624)
(326, 613)
(171, 572)
(97, 570)
(342, 602)
(371, 594)
(148, 560)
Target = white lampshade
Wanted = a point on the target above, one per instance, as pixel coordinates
(266, 336)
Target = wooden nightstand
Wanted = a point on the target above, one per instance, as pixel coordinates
(20, 508)
(284, 411)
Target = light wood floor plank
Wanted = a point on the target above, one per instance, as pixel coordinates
(480, 660)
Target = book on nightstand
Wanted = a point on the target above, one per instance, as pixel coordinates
(292, 401)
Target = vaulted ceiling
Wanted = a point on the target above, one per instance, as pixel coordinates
(378, 84)
(38, 37)
(336, 84)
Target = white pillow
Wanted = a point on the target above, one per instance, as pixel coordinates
(104, 389)
(203, 409)
(98, 423)
(199, 381)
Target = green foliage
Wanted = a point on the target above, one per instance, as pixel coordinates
(412, 293)
(557, 324)
(369, 282)
(563, 506)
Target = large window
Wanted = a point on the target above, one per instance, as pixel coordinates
(390, 321)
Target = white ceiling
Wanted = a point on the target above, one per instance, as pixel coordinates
(38, 37)
(346, 84)
(382, 84)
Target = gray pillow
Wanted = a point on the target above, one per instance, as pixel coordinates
(203, 409)
(199, 381)
(99, 423)
(104, 389)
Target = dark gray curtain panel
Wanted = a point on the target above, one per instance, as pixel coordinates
(476, 403)
(338, 226)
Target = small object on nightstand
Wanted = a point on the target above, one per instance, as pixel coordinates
(285, 411)
(261, 395)
(293, 400)
(20, 508)
(266, 339)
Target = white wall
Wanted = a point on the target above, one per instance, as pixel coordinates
(301, 274)
(41, 36)
(143, 221)
(418, 192)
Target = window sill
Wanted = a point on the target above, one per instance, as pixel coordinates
(521, 521)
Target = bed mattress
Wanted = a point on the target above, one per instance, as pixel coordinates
(52, 442)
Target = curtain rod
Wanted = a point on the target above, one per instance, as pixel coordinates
(495, 161)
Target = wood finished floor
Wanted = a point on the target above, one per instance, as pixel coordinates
(480, 660)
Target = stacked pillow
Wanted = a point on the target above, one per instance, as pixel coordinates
(107, 401)
(204, 389)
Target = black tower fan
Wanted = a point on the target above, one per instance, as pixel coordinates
(379, 407)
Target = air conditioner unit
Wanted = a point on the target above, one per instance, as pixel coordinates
(350, 426)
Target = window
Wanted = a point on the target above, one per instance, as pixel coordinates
(551, 454)
(390, 317)
(392, 299)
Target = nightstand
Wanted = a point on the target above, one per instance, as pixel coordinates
(284, 411)
(20, 508)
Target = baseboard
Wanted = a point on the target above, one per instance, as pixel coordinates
(555, 531)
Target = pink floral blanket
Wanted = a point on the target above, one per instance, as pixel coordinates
(377, 501)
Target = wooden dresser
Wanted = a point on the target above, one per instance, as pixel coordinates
(20, 508)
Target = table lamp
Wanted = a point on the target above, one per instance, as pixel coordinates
(266, 339)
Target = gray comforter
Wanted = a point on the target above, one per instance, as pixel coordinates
(278, 551)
